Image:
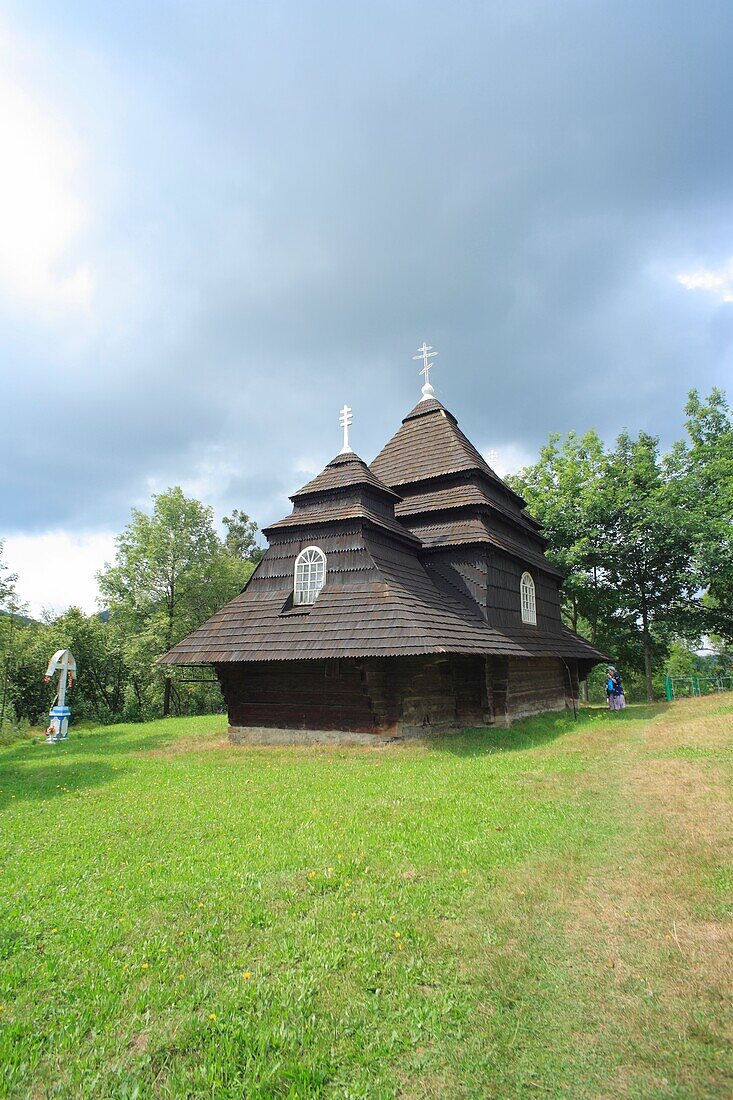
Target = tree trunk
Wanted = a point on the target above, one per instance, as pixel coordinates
(646, 638)
(7, 670)
(167, 691)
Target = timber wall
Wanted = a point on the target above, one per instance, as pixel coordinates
(390, 697)
(504, 601)
(322, 695)
(492, 579)
(536, 685)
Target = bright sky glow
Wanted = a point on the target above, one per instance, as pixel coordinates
(715, 281)
(57, 569)
(41, 212)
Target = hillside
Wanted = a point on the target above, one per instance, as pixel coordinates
(532, 912)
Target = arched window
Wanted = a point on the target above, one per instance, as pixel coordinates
(529, 604)
(310, 575)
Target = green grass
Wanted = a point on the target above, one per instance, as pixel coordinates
(508, 913)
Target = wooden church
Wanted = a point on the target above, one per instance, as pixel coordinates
(400, 599)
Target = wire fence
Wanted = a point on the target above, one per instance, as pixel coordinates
(686, 687)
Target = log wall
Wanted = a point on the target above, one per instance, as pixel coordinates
(323, 695)
(394, 697)
(536, 685)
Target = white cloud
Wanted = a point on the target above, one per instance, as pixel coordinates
(307, 466)
(56, 570)
(42, 212)
(509, 459)
(717, 282)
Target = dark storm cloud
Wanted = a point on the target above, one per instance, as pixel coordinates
(295, 195)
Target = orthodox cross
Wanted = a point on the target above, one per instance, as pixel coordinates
(426, 353)
(345, 419)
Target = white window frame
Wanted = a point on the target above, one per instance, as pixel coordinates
(528, 599)
(309, 576)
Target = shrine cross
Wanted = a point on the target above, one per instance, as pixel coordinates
(345, 419)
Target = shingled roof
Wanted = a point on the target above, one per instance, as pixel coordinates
(388, 592)
(469, 494)
(386, 607)
(346, 489)
(342, 472)
(342, 509)
(471, 530)
(430, 445)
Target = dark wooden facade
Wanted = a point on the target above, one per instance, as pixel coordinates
(394, 696)
(418, 627)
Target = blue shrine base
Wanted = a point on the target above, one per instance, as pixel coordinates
(60, 718)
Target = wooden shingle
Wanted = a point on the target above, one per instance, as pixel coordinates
(424, 550)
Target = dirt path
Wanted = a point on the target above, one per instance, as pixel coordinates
(656, 921)
(616, 960)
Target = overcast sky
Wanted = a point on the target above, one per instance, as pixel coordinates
(220, 221)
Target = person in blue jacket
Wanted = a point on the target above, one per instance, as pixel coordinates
(614, 690)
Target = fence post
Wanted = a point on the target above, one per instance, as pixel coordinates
(668, 689)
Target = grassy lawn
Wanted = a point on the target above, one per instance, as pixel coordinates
(524, 913)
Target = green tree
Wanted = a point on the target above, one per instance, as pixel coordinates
(171, 572)
(564, 491)
(649, 536)
(710, 470)
(8, 595)
(98, 647)
(31, 650)
(241, 537)
(9, 607)
(623, 527)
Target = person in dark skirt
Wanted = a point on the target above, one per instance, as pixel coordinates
(614, 690)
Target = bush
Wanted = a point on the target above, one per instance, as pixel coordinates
(12, 728)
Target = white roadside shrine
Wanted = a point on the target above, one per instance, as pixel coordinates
(64, 664)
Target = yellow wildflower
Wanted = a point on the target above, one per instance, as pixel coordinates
(144, 966)
(246, 975)
(212, 1015)
(397, 935)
